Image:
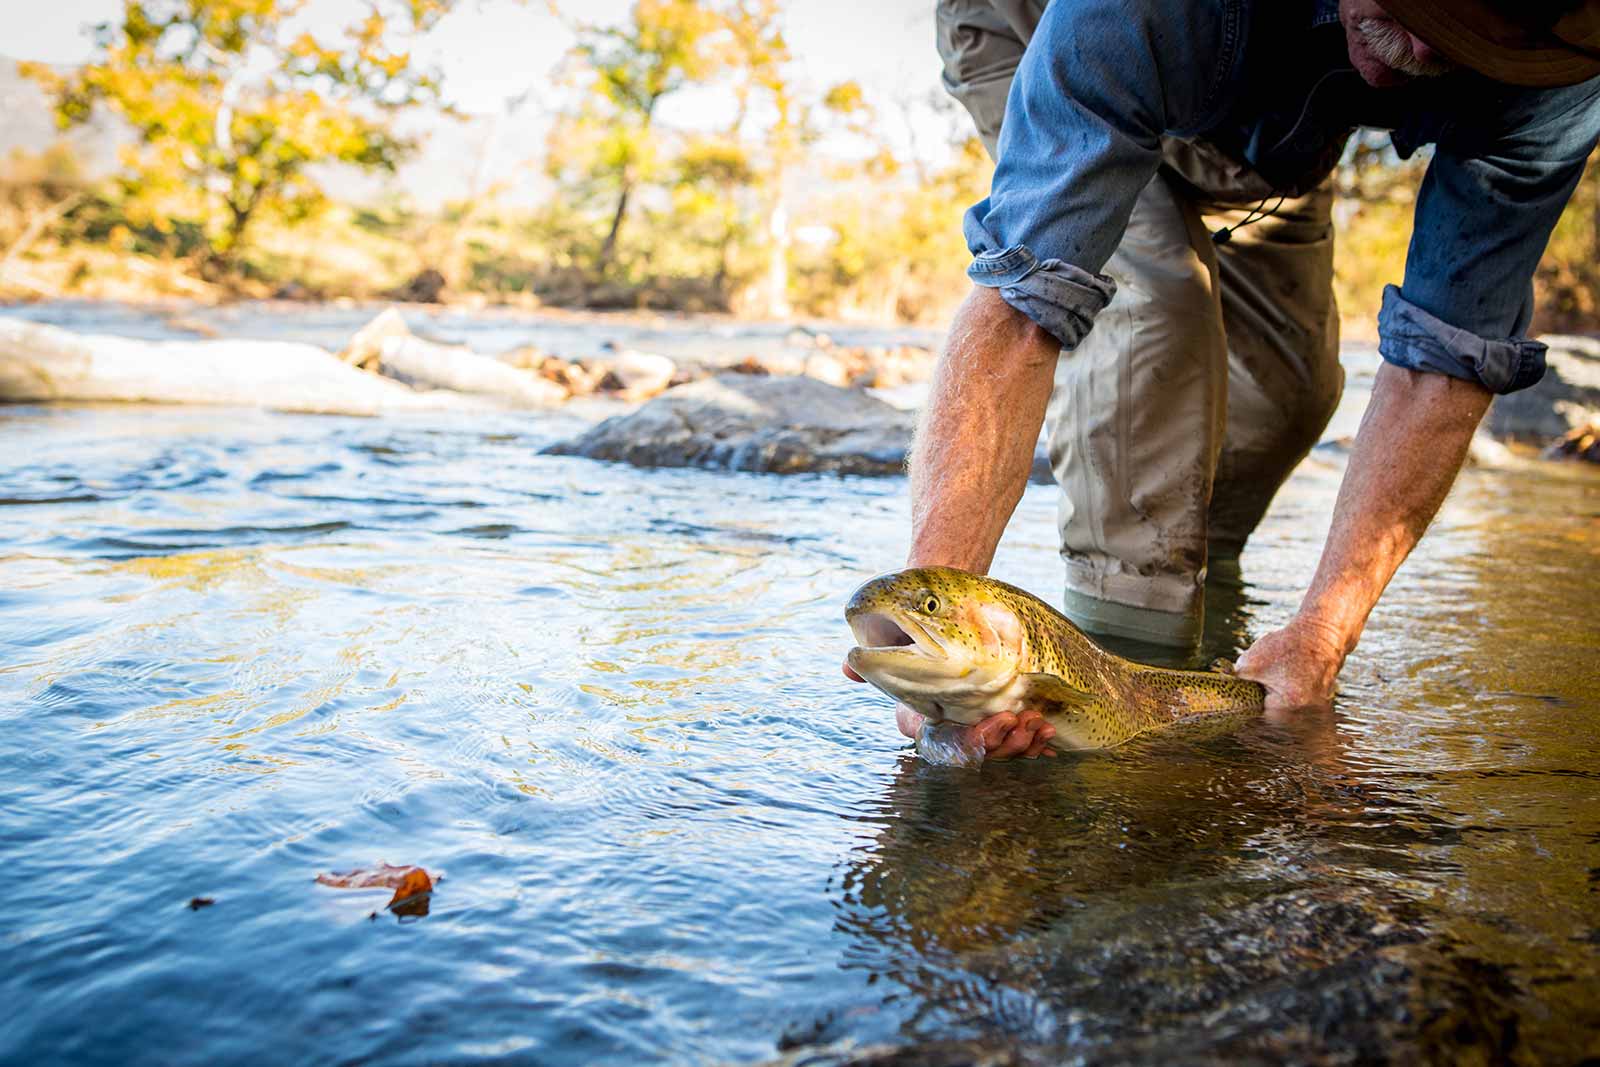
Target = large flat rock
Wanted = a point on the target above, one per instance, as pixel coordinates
(779, 425)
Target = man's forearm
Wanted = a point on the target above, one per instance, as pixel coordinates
(1413, 439)
(974, 445)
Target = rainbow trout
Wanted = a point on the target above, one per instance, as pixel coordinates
(959, 647)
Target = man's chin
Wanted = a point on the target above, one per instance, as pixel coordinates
(1373, 71)
(1382, 77)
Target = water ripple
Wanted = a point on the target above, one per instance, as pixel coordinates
(238, 650)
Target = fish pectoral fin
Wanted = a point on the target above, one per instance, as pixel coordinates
(1048, 691)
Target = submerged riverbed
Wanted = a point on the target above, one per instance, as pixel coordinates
(240, 649)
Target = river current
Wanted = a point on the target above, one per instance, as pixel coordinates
(239, 649)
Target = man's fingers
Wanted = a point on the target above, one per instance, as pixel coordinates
(1039, 733)
(908, 721)
(852, 675)
(1006, 736)
(993, 730)
(1021, 736)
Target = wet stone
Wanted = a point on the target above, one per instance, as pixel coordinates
(1566, 399)
(745, 422)
(773, 424)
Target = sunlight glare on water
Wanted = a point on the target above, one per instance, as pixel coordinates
(241, 649)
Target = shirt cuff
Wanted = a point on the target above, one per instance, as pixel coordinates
(1410, 337)
(1059, 297)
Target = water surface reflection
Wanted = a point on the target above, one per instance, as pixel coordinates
(239, 649)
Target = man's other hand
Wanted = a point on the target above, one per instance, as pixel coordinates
(1297, 664)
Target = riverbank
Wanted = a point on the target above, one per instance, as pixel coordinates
(375, 358)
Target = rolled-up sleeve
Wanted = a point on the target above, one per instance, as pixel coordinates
(1487, 206)
(1099, 85)
(1412, 338)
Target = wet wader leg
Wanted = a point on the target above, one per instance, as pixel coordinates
(1137, 414)
(1284, 377)
(1136, 427)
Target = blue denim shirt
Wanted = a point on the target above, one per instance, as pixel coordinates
(1269, 82)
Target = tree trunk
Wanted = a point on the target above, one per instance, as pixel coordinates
(1594, 222)
(219, 257)
(608, 248)
(237, 224)
(721, 280)
(778, 261)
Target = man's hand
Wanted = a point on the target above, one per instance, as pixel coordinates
(1005, 735)
(1412, 441)
(1000, 736)
(1297, 664)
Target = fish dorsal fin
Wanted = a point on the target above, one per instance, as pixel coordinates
(1052, 691)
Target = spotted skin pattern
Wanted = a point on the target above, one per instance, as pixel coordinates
(981, 646)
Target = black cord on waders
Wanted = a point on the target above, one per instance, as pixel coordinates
(1225, 234)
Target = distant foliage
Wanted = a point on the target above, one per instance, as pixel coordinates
(232, 108)
(897, 251)
(709, 218)
(1377, 196)
(1567, 284)
(779, 196)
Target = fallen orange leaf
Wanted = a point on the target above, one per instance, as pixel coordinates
(407, 883)
(416, 881)
(381, 876)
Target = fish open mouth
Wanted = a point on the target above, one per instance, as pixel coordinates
(877, 632)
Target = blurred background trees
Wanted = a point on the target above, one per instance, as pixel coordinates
(231, 111)
(691, 162)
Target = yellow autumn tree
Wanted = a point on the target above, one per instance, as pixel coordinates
(609, 145)
(232, 106)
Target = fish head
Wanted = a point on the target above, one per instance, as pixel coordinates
(939, 640)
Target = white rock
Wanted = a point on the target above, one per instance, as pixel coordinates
(643, 374)
(46, 363)
(425, 364)
(367, 343)
(826, 367)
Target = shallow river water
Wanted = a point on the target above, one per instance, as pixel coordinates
(240, 649)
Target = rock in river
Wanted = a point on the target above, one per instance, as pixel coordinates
(426, 365)
(1567, 398)
(789, 424)
(44, 363)
(781, 425)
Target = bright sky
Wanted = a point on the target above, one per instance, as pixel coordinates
(490, 50)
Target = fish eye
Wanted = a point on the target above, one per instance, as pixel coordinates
(929, 604)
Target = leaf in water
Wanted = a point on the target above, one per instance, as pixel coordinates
(411, 895)
(411, 885)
